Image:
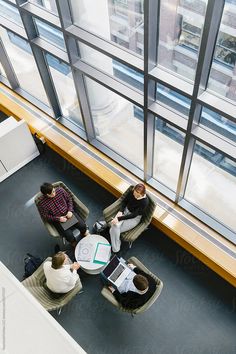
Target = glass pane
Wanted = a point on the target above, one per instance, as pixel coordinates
(219, 124)
(210, 170)
(10, 12)
(119, 21)
(22, 60)
(50, 34)
(118, 123)
(2, 71)
(173, 99)
(64, 85)
(181, 24)
(49, 5)
(168, 151)
(111, 66)
(223, 70)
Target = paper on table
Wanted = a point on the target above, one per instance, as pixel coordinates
(85, 252)
(102, 253)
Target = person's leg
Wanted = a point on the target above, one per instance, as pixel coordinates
(115, 236)
(130, 223)
(68, 234)
(80, 225)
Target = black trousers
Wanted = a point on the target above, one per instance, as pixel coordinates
(68, 234)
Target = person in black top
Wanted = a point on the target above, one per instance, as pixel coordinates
(136, 290)
(129, 215)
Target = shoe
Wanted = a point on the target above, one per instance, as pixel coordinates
(86, 233)
(117, 254)
(57, 248)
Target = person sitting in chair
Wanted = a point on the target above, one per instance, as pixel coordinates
(56, 206)
(132, 209)
(136, 289)
(61, 274)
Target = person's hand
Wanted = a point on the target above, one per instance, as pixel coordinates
(75, 266)
(114, 221)
(111, 289)
(69, 215)
(63, 219)
(119, 214)
(131, 266)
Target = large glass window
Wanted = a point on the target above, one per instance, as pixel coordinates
(22, 60)
(64, 85)
(223, 71)
(168, 151)
(111, 66)
(118, 123)
(212, 184)
(219, 124)
(181, 23)
(118, 21)
(49, 5)
(10, 12)
(173, 100)
(50, 33)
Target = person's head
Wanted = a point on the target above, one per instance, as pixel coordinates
(58, 259)
(47, 189)
(140, 282)
(139, 190)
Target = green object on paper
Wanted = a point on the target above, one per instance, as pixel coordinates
(102, 253)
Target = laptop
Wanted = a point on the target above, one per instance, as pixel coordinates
(69, 223)
(116, 271)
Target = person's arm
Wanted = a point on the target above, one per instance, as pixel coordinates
(71, 274)
(138, 211)
(46, 215)
(69, 200)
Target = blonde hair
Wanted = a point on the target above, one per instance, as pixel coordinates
(58, 260)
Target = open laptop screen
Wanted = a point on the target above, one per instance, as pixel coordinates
(111, 266)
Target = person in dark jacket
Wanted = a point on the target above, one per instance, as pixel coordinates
(132, 209)
(136, 290)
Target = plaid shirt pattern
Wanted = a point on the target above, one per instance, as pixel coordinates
(52, 209)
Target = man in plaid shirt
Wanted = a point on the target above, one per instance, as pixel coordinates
(56, 206)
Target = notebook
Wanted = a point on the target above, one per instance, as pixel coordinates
(69, 223)
(116, 271)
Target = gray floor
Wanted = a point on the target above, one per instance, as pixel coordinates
(194, 314)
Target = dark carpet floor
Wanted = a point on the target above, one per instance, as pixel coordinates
(194, 314)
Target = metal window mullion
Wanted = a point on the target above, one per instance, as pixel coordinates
(151, 15)
(209, 35)
(81, 90)
(41, 64)
(78, 77)
(7, 66)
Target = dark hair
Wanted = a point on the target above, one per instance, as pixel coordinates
(46, 188)
(140, 282)
(140, 188)
(58, 260)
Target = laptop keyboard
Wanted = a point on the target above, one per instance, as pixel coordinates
(115, 275)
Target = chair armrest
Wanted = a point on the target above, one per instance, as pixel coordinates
(111, 210)
(109, 296)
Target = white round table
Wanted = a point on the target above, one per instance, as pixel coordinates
(91, 267)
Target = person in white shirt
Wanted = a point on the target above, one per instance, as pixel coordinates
(61, 275)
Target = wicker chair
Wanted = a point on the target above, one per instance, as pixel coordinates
(79, 207)
(131, 235)
(36, 286)
(159, 285)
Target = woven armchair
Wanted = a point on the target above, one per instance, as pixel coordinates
(159, 285)
(79, 208)
(36, 286)
(131, 235)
